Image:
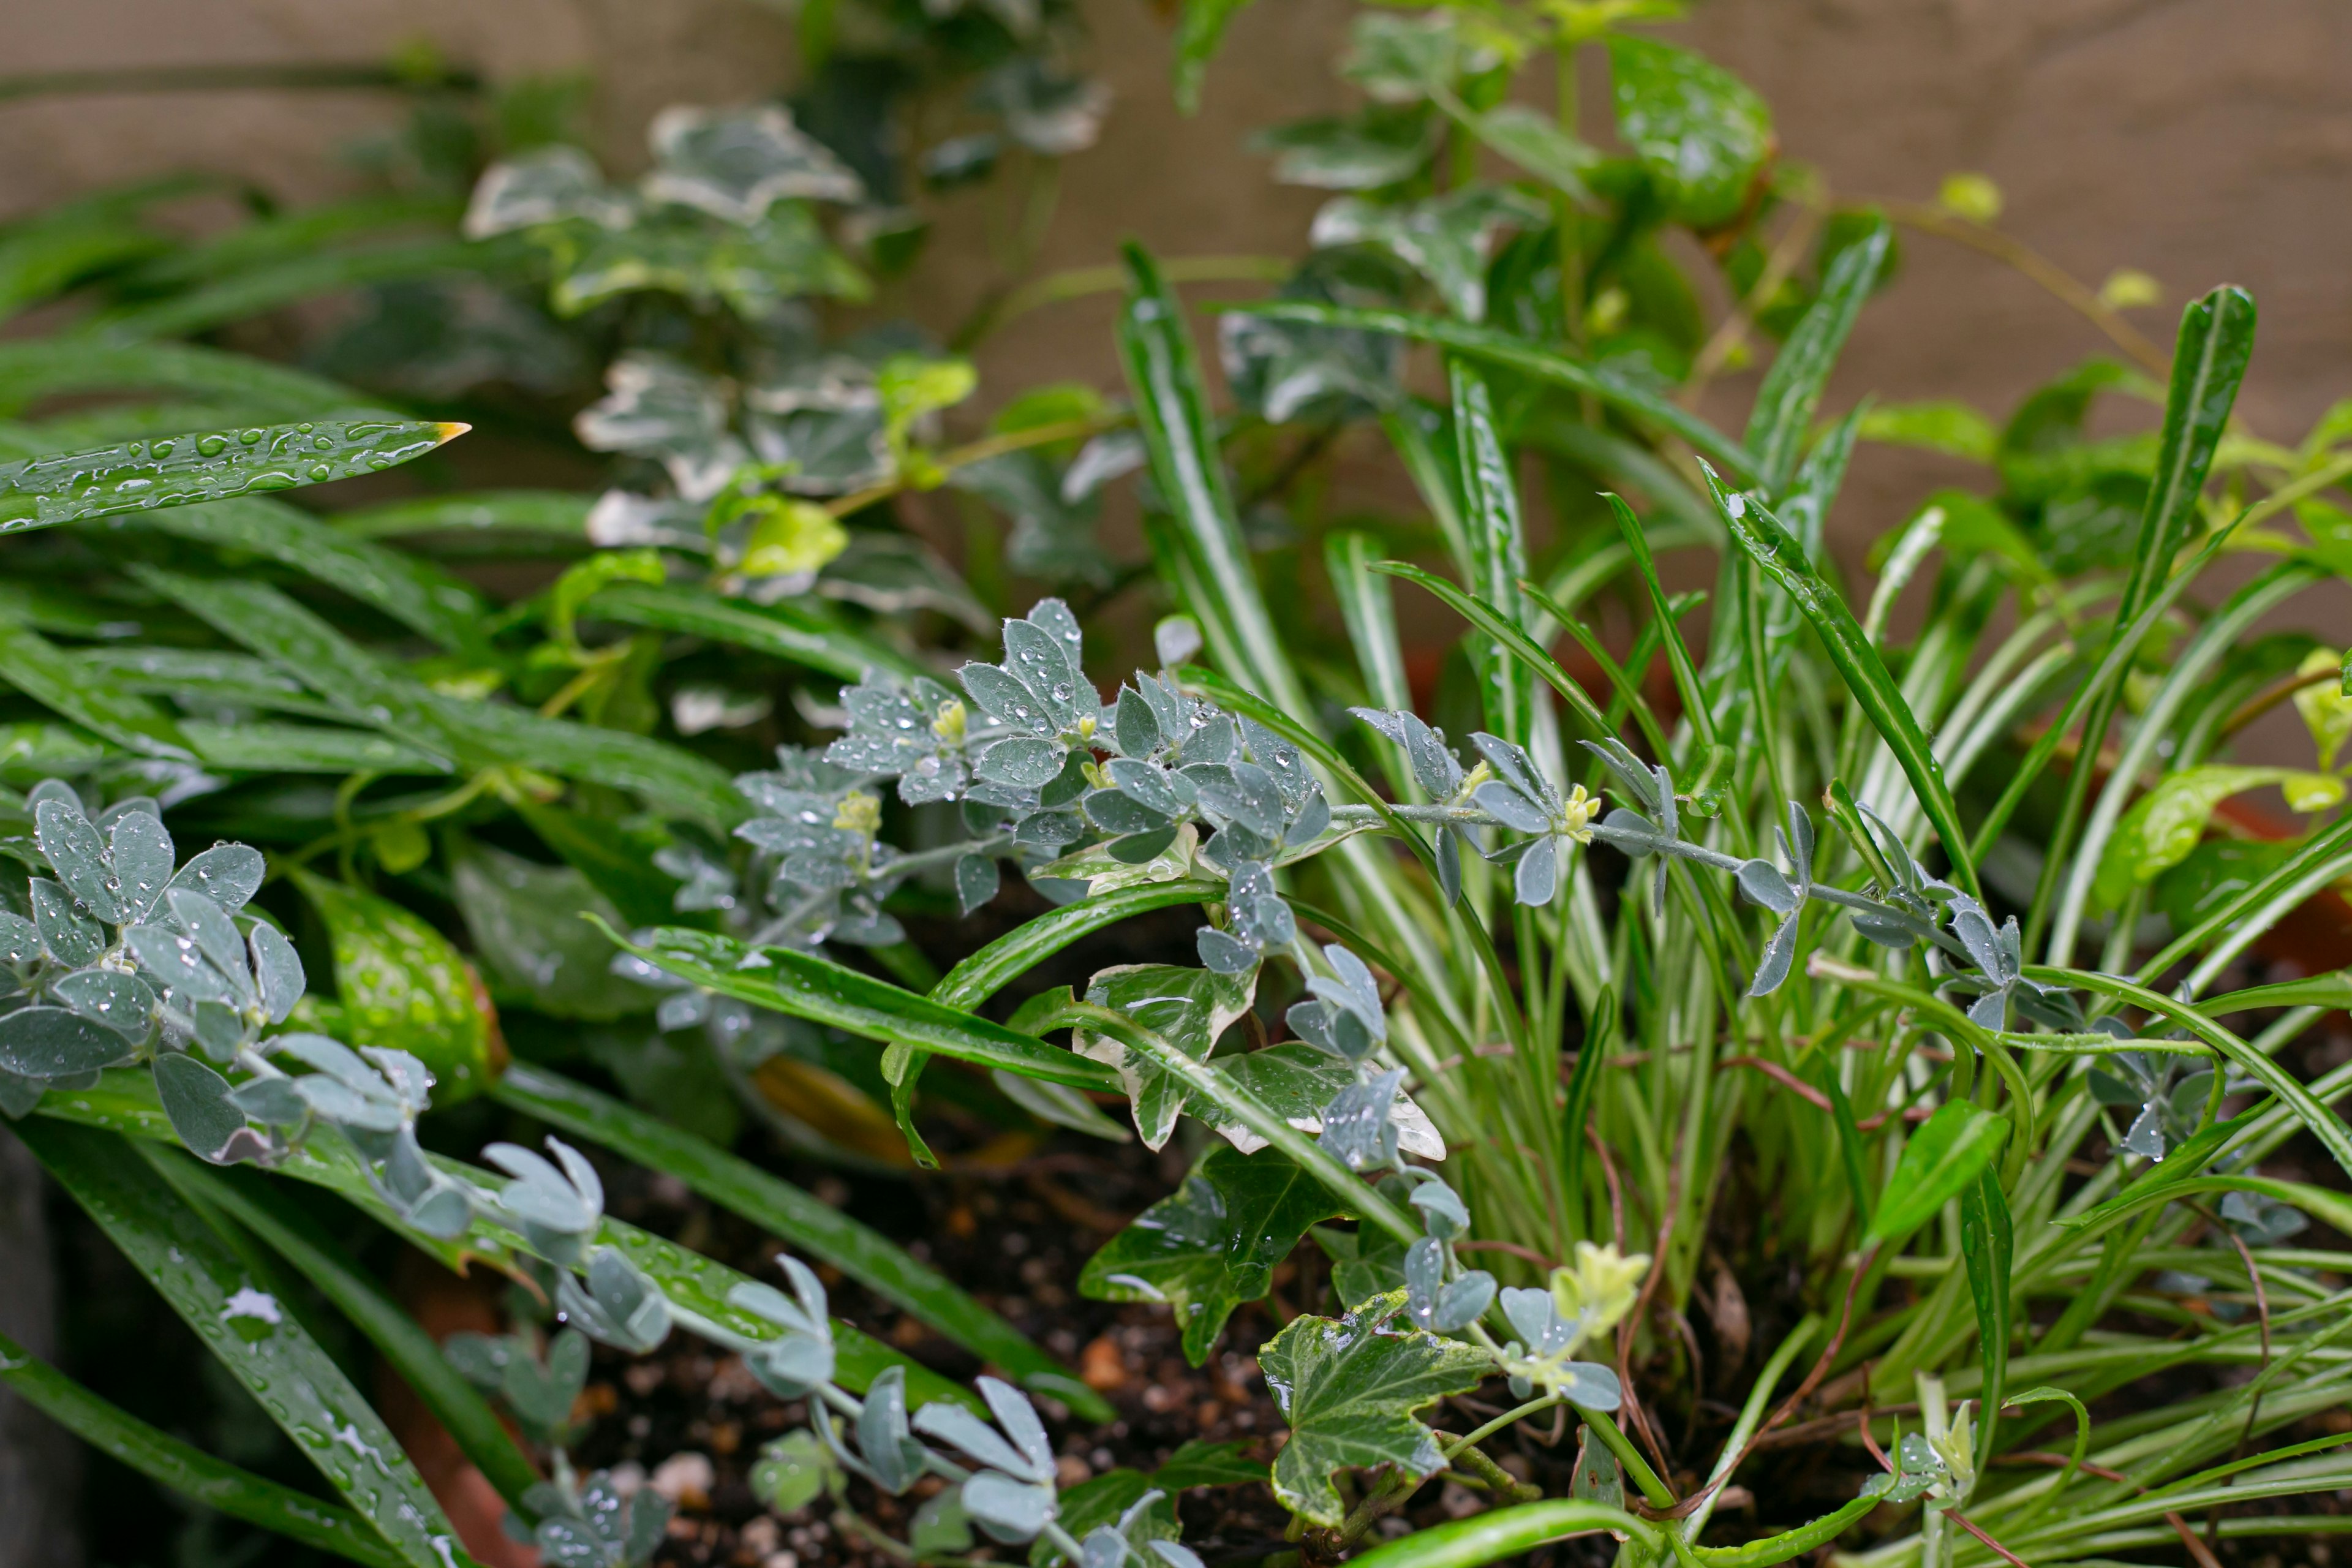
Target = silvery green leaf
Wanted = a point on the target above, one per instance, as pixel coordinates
(1975, 929)
(1435, 767)
(1146, 784)
(1514, 767)
(175, 962)
(1003, 700)
(1358, 1128)
(1462, 1303)
(1592, 1385)
(1761, 882)
(1021, 762)
(1772, 966)
(56, 1043)
(197, 1100)
(143, 861)
(1013, 1512)
(648, 1528)
(1103, 1547)
(350, 1107)
(2145, 1136)
(959, 1428)
(72, 846)
(1310, 820)
(1506, 806)
(1443, 1213)
(1991, 1011)
(977, 877)
(1283, 764)
(941, 1527)
(1140, 848)
(620, 1306)
(272, 1101)
(556, 1208)
(1537, 877)
(215, 936)
(893, 1458)
(792, 1367)
(228, 874)
(1136, 729)
(1630, 769)
(1917, 1467)
(1051, 829)
(1885, 932)
(735, 163)
(1453, 844)
(1117, 812)
(1175, 1553)
(1034, 656)
(278, 968)
(219, 1029)
(1214, 741)
(67, 936)
(1246, 795)
(2261, 1221)
(1630, 833)
(1352, 986)
(20, 942)
(1797, 844)
(123, 1003)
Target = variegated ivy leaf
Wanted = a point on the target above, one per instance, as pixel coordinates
(660, 408)
(1350, 1389)
(1213, 1243)
(735, 163)
(545, 185)
(1189, 1008)
(1444, 239)
(1297, 1080)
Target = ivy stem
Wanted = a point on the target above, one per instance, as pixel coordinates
(1653, 1490)
(1532, 1407)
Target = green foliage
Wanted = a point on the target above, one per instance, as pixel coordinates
(668, 804)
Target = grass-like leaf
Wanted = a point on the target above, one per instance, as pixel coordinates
(256, 1336)
(186, 1468)
(1792, 389)
(782, 631)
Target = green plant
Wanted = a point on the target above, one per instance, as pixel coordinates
(1678, 920)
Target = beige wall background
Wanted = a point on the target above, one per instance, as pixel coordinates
(2200, 140)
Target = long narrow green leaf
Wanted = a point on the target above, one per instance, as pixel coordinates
(1504, 1532)
(803, 1221)
(1784, 561)
(272, 286)
(806, 986)
(304, 231)
(779, 631)
(1792, 389)
(561, 514)
(1678, 653)
(255, 1336)
(417, 594)
(253, 1202)
(186, 1468)
(1369, 608)
(251, 746)
(1487, 619)
(491, 735)
(1501, 349)
(58, 681)
(40, 368)
(983, 974)
(1988, 1250)
(1172, 411)
(2209, 361)
(124, 1102)
(202, 677)
(1498, 552)
(206, 466)
(264, 619)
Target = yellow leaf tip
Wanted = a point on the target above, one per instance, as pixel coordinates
(450, 430)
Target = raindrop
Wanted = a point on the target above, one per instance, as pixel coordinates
(249, 437)
(322, 470)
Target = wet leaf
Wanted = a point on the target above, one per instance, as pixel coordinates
(1943, 1158)
(1350, 1388)
(1213, 1243)
(401, 985)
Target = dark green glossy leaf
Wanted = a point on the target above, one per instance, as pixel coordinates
(1946, 1156)
(1349, 1387)
(418, 595)
(493, 734)
(204, 466)
(255, 747)
(60, 682)
(555, 514)
(188, 1469)
(805, 1223)
(1213, 1243)
(616, 860)
(1702, 133)
(1784, 561)
(1989, 1251)
(269, 286)
(1792, 387)
(38, 368)
(1507, 352)
(806, 986)
(257, 1338)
